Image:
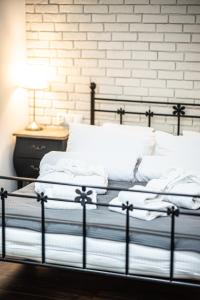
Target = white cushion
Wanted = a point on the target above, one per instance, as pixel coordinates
(129, 128)
(191, 133)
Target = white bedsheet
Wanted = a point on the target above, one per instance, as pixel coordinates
(101, 254)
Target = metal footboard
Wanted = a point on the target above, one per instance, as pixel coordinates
(83, 197)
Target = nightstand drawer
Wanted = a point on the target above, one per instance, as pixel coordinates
(27, 167)
(36, 148)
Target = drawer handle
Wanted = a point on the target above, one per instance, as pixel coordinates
(34, 168)
(38, 148)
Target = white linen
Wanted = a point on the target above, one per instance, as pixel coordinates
(118, 166)
(71, 172)
(177, 181)
(101, 254)
(168, 144)
(191, 133)
(130, 128)
(103, 139)
(156, 166)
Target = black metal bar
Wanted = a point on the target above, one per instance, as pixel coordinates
(121, 112)
(146, 102)
(42, 199)
(4, 195)
(92, 102)
(84, 230)
(128, 207)
(173, 212)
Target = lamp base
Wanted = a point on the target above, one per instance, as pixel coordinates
(33, 126)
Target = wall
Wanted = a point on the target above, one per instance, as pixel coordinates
(13, 102)
(143, 49)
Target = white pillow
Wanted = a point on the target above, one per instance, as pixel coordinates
(168, 144)
(91, 138)
(118, 166)
(191, 133)
(155, 167)
(130, 128)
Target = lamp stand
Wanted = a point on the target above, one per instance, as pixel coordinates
(33, 126)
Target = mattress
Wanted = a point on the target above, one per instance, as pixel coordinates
(149, 240)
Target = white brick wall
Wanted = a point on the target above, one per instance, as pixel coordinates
(136, 49)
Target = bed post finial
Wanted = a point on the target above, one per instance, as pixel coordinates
(92, 102)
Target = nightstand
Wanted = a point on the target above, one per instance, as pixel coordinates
(31, 146)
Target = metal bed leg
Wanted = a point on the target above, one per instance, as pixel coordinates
(4, 195)
(174, 212)
(42, 199)
(128, 207)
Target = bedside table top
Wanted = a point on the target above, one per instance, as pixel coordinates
(53, 133)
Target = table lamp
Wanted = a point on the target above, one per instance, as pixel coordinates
(35, 80)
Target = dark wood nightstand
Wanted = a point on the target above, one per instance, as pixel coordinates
(31, 146)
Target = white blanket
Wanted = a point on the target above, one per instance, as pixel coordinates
(177, 181)
(70, 172)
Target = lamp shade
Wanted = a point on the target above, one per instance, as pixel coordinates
(35, 78)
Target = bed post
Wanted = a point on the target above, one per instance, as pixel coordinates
(92, 102)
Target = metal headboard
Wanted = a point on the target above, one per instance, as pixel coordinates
(178, 109)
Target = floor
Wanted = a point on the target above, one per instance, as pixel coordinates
(28, 282)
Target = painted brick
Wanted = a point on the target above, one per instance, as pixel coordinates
(100, 9)
(49, 35)
(155, 19)
(66, 27)
(162, 46)
(118, 73)
(179, 84)
(68, 53)
(93, 54)
(129, 18)
(191, 28)
(196, 38)
(138, 91)
(42, 27)
(61, 1)
(192, 56)
(91, 27)
(142, 27)
(36, 1)
(46, 8)
(188, 47)
(181, 19)
(147, 55)
(177, 37)
(85, 45)
(187, 94)
(168, 28)
(61, 44)
(161, 65)
(76, 18)
(150, 37)
(118, 54)
(97, 36)
(71, 8)
(124, 36)
(37, 44)
(161, 92)
(93, 71)
(147, 9)
(110, 63)
(144, 74)
(173, 9)
(103, 18)
(116, 27)
(194, 9)
(188, 66)
(128, 82)
(162, 1)
(34, 17)
(170, 75)
(136, 1)
(170, 56)
(74, 36)
(134, 64)
(54, 18)
(136, 46)
(121, 9)
(84, 62)
(153, 83)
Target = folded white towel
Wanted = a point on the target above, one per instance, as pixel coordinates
(145, 214)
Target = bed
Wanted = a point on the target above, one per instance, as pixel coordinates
(100, 240)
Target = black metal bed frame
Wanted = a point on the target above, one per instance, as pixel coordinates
(178, 109)
(83, 197)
